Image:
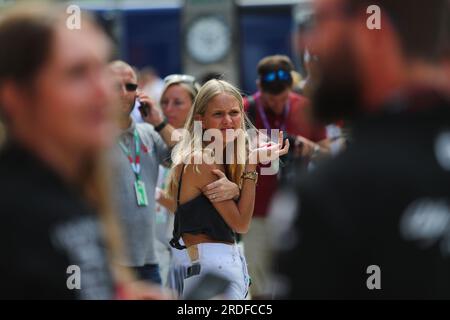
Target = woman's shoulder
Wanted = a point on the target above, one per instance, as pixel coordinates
(200, 174)
(200, 168)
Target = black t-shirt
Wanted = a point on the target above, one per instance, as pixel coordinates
(50, 241)
(383, 203)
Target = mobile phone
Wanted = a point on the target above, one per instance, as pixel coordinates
(144, 108)
(209, 286)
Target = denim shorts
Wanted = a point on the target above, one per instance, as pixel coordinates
(224, 260)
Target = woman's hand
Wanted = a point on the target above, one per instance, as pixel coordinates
(164, 200)
(269, 151)
(222, 189)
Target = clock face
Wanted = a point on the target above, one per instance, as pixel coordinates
(208, 40)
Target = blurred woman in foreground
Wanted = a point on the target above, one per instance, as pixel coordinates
(58, 232)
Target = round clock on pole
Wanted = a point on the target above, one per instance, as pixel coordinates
(210, 39)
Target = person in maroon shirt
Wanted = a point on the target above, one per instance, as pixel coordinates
(276, 106)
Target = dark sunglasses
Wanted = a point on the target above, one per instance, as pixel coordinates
(277, 75)
(130, 87)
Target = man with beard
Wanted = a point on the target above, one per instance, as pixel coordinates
(375, 221)
(141, 149)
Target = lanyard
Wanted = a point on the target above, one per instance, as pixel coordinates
(135, 164)
(165, 175)
(264, 119)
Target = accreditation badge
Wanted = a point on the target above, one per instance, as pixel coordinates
(141, 194)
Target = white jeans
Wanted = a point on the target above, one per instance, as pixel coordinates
(226, 261)
(178, 267)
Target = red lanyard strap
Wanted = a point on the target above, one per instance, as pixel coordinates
(136, 163)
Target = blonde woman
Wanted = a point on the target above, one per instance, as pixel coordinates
(176, 102)
(207, 227)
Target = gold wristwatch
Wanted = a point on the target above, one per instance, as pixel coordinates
(252, 175)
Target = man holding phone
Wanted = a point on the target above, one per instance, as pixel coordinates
(141, 148)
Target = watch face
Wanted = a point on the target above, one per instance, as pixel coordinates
(208, 40)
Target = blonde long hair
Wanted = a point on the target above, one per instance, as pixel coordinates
(191, 145)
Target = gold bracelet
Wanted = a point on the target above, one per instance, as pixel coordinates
(252, 175)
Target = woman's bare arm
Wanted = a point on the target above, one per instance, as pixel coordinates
(237, 216)
(168, 202)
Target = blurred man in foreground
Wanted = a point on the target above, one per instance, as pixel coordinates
(375, 221)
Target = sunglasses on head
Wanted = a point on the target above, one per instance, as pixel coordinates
(130, 87)
(179, 78)
(277, 75)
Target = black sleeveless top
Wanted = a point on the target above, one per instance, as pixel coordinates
(198, 216)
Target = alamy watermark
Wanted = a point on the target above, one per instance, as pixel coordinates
(74, 278)
(73, 21)
(373, 22)
(208, 146)
(374, 280)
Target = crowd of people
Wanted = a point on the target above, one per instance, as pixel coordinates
(117, 184)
